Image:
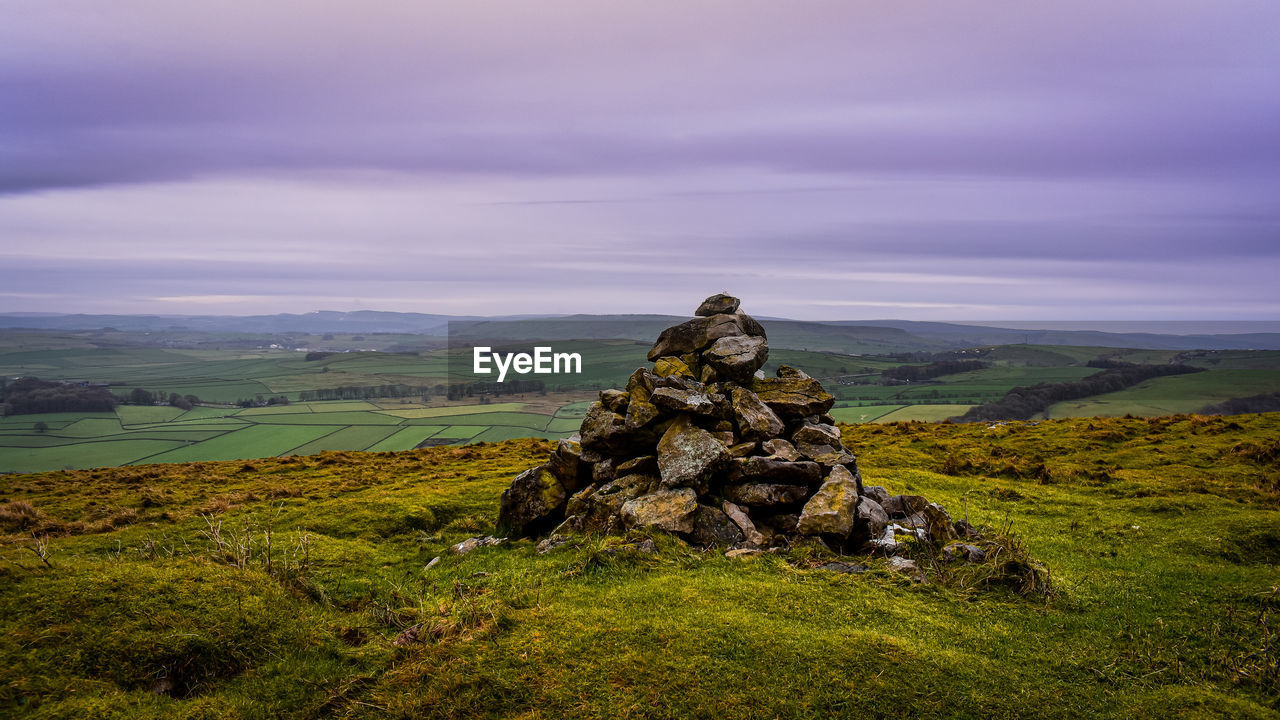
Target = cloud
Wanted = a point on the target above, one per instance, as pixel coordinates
(139, 92)
(993, 157)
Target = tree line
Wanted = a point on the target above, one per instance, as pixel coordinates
(141, 396)
(917, 373)
(483, 389)
(32, 396)
(259, 401)
(1023, 403)
(364, 392)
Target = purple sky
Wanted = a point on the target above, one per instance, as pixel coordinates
(985, 159)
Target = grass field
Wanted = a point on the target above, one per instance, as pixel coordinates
(362, 436)
(1234, 359)
(926, 413)
(969, 388)
(153, 433)
(863, 413)
(1159, 538)
(222, 376)
(1045, 355)
(167, 434)
(425, 412)
(1175, 394)
(140, 434)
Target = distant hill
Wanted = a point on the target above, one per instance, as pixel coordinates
(958, 335)
(368, 321)
(790, 334)
(859, 337)
(324, 321)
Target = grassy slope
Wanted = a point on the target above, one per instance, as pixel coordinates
(1175, 394)
(1161, 537)
(970, 387)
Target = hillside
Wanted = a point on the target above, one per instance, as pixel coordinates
(1260, 335)
(279, 588)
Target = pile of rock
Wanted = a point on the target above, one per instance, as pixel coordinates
(706, 446)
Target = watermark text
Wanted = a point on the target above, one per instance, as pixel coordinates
(542, 362)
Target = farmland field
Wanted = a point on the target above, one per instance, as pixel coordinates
(138, 433)
(223, 379)
(406, 438)
(926, 413)
(1176, 394)
(863, 413)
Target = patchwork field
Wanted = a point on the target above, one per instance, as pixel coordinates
(167, 435)
(220, 430)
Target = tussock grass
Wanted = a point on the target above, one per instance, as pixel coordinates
(1131, 573)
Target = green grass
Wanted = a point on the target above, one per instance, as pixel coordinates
(532, 421)
(161, 432)
(437, 412)
(48, 439)
(824, 365)
(562, 425)
(328, 418)
(290, 409)
(461, 432)
(355, 437)
(1175, 394)
(1043, 355)
(1160, 538)
(310, 407)
(253, 441)
(926, 413)
(1009, 377)
(24, 422)
(496, 434)
(83, 455)
(214, 434)
(407, 438)
(341, 406)
(143, 414)
(865, 413)
(92, 427)
(1235, 359)
(202, 413)
(217, 391)
(990, 383)
(212, 423)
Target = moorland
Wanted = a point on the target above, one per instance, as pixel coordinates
(1139, 581)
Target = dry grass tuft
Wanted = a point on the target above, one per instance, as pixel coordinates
(19, 516)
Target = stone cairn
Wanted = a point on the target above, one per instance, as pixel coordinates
(706, 447)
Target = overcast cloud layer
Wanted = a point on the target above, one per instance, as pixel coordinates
(989, 159)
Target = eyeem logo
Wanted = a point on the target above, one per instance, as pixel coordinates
(541, 362)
